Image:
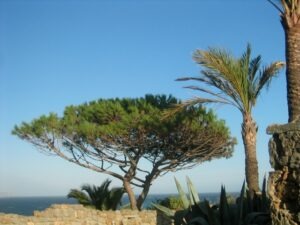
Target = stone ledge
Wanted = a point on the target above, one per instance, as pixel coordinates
(79, 215)
(282, 128)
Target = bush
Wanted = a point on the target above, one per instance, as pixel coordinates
(171, 202)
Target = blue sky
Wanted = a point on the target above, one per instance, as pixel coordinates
(58, 53)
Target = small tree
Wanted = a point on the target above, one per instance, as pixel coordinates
(131, 139)
(237, 82)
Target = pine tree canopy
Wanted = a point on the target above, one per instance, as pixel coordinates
(131, 138)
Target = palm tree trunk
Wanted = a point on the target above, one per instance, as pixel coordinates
(130, 193)
(292, 48)
(249, 130)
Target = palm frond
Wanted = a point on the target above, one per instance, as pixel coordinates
(244, 60)
(254, 67)
(245, 79)
(80, 196)
(105, 185)
(114, 198)
(188, 78)
(88, 188)
(190, 103)
(286, 4)
(102, 194)
(224, 86)
(219, 97)
(238, 81)
(276, 6)
(226, 73)
(199, 101)
(266, 74)
(91, 191)
(100, 197)
(215, 59)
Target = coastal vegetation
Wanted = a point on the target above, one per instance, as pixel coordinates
(172, 202)
(136, 140)
(98, 197)
(237, 82)
(246, 210)
(131, 139)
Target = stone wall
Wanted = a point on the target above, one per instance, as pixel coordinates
(79, 215)
(284, 182)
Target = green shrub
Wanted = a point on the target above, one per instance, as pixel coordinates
(171, 202)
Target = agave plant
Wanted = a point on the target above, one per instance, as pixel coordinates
(245, 211)
(100, 197)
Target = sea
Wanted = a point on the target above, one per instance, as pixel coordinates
(27, 205)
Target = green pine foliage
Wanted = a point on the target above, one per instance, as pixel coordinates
(113, 136)
(99, 123)
(103, 118)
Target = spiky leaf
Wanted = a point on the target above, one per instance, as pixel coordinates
(182, 195)
(224, 208)
(166, 211)
(194, 196)
(240, 206)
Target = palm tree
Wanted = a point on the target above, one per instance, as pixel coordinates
(290, 20)
(101, 197)
(237, 82)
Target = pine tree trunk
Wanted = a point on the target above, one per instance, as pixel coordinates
(130, 193)
(292, 48)
(143, 195)
(147, 186)
(249, 130)
(284, 182)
